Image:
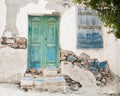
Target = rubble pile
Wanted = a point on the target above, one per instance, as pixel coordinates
(100, 69)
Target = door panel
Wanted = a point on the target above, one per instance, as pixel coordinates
(35, 56)
(35, 42)
(51, 42)
(43, 42)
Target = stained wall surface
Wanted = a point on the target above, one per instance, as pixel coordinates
(14, 22)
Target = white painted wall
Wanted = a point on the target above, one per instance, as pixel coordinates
(30, 9)
(2, 16)
(68, 36)
(12, 64)
(68, 32)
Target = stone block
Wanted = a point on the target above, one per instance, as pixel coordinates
(65, 62)
(50, 72)
(78, 64)
(84, 56)
(15, 45)
(51, 84)
(38, 82)
(17, 42)
(74, 87)
(21, 40)
(10, 41)
(63, 57)
(71, 58)
(26, 81)
(66, 52)
(6, 40)
(103, 65)
(109, 80)
(33, 70)
(78, 58)
(28, 75)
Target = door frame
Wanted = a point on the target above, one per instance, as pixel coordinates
(58, 43)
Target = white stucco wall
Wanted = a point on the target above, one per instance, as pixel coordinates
(68, 32)
(2, 16)
(68, 38)
(30, 9)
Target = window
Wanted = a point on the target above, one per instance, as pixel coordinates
(89, 33)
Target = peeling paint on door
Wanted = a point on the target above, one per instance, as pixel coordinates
(43, 42)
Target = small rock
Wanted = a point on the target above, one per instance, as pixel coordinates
(71, 53)
(94, 62)
(109, 80)
(49, 72)
(102, 84)
(21, 40)
(27, 70)
(22, 46)
(78, 59)
(65, 62)
(103, 65)
(15, 45)
(103, 80)
(3, 41)
(67, 78)
(98, 83)
(33, 70)
(84, 56)
(64, 52)
(26, 82)
(71, 58)
(98, 75)
(104, 73)
(39, 72)
(8, 40)
(59, 71)
(78, 64)
(63, 57)
(74, 87)
(28, 75)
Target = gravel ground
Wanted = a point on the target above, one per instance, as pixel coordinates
(14, 90)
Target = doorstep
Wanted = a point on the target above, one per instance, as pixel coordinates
(53, 84)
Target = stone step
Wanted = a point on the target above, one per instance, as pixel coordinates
(45, 83)
(42, 72)
(50, 72)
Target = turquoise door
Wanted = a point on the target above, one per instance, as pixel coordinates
(43, 42)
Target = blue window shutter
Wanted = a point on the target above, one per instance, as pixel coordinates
(89, 33)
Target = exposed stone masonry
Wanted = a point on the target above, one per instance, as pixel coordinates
(46, 79)
(100, 70)
(17, 42)
(43, 79)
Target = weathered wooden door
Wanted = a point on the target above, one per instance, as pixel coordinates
(43, 42)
